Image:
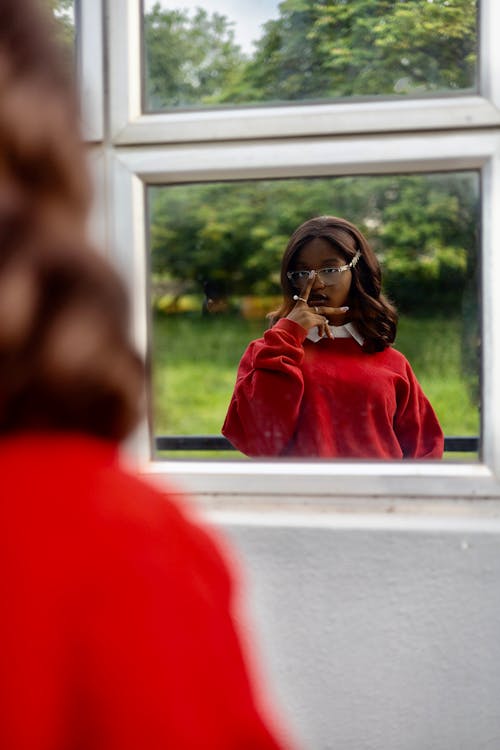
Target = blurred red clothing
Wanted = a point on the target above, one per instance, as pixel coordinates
(116, 629)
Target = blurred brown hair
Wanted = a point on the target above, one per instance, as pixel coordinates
(43, 172)
(66, 361)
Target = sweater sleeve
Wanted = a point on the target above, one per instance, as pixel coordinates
(163, 662)
(264, 408)
(416, 424)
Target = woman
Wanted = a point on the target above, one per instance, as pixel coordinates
(117, 628)
(325, 381)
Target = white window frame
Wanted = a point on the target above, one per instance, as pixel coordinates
(89, 35)
(135, 169)
(130, 126)
(418, 135)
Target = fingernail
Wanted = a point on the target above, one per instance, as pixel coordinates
(344, 309)
(311, 274)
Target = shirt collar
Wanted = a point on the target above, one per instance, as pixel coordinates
(348, 330)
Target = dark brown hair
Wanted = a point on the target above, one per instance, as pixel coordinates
(374, 316)
(66, 361)
(43, 171)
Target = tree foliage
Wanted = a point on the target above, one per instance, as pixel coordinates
(315, 49)
(370, 47)
(190, 59)
(63, 13)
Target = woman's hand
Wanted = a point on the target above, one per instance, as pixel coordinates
(308, 316)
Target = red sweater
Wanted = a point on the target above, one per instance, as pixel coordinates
(117, 630)
(329, 399)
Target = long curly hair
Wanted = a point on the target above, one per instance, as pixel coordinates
(374, 316)
(66, 361)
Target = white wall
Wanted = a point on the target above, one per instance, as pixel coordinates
(376, 633)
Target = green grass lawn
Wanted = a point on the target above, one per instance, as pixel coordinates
(195, 360)
(433, 347)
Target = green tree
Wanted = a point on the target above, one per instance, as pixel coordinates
(417, 44)
(427, 238)
(190, 59)
(315, 49)
(319, 50)
(288, 63)
(63, 12)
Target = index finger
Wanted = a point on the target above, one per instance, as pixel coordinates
(306, 291)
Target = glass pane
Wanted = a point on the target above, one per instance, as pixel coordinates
(224, 53)
(216, 251)
(64, 14)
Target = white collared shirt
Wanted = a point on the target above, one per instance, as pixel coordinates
(348, 330)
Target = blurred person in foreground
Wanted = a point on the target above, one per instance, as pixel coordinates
(117, 625)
